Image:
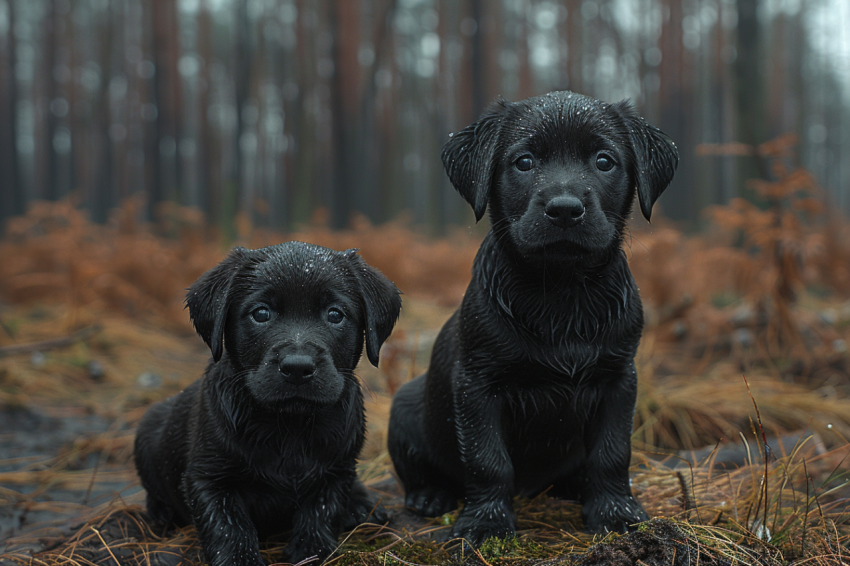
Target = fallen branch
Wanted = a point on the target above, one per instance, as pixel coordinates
(54, 343)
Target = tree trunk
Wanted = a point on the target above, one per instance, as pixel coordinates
(479, 73)
(13, 192)
(167, 97)
(303, 187)
(48, 170)
(345, 88)
(102, 191)
(749, 89)
(575, 28)
(208, 166)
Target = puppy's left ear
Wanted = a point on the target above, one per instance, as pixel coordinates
(382, 302)
(208, 299)
(656, 155)
(469, 157)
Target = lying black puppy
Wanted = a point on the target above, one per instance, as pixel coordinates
(532, 381)
(267, 439)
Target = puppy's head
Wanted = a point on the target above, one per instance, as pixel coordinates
(292, 318)
(559, 171)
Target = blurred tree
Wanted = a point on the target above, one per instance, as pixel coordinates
(234, 199)
(376, 57)
(674, 93)
(48, 106)
(12, 196)
(575, 39)
(166, 179)
(478, 70)
(103, 196)
(304, 188)
(209, 178)
(750, 89)
(347, 190)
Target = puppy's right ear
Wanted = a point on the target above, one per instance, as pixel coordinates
(381, 302)
(208, 298)
(656, 155)
(470, 157)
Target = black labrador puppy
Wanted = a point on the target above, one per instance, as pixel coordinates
(532, 381)
(266, 440)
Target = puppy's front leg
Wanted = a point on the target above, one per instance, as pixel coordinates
(489, 473)
(225, 529)
(608, 504)
(316, 523)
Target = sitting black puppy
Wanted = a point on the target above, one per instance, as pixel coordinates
(532, 381)
(267, 439)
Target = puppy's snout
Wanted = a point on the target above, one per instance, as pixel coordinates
(564, 211)
(297, 369)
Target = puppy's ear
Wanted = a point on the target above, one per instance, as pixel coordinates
(656, 155)
(470, 157)
(381, 301)
(208, 298)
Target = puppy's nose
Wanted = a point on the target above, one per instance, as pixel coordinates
(297, 369)
(564, 211)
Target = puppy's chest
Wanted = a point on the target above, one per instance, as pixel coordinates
(532, 389)
(576, 314)
(289, 467)
(570, 333)
(273, 490)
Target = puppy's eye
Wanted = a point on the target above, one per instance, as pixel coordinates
(335, 316)
(604, 162)
(524, 163)
(261, 314)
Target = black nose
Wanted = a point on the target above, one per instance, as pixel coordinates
(564, 211)
(297, 370)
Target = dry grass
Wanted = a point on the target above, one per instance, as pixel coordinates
(691, 411)
(713, 516)
(713, 512)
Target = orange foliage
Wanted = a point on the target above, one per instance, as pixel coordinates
(748, 271)
(54, 254)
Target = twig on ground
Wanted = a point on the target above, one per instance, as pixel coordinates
(54, 343)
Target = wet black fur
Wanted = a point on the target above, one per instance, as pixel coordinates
(241, 453)
(532, 381)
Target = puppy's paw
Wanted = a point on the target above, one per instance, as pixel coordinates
(379, 515)
(612, 515)
(430, 501)
(308, 547)
(162, 513)
(363, 510)
(477, 523)
(230, 555)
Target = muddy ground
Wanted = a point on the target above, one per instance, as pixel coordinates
(31, 435)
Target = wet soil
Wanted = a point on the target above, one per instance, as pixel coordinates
(30, 441)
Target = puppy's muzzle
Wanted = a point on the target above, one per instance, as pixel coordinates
(297, 369)
(564, 211)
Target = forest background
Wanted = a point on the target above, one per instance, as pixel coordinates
(141, 139)
(273, 108)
